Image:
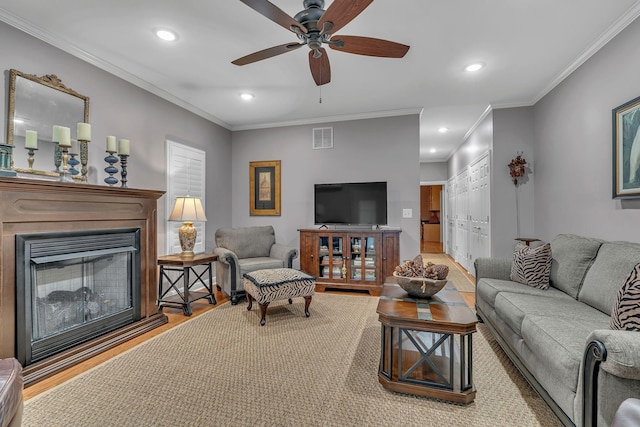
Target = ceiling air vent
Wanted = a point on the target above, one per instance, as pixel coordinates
(322, 138)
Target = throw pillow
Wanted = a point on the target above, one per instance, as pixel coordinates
(532, 266)
(625, 314)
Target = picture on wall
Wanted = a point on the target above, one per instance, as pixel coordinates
(264, 188)
(626, 149)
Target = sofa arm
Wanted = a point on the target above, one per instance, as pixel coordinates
(622, 352)
(285, 253)
(226, 256)
(493, 268)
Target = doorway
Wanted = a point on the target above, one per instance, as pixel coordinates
(430, 219)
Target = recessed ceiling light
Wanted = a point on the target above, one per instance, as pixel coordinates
(246, 96)
(433, 150)
(442, 129)
(474, 67)
(166, 35)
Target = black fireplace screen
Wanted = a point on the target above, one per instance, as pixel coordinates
(72, 287)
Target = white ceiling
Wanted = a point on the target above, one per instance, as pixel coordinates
(528, 47)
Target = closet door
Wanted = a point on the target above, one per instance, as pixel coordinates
(462, 218)
(479, 210)
(450, 221)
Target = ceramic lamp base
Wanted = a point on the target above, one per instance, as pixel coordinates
(187, 235)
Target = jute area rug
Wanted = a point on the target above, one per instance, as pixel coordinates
(222, 368)
(455, 275)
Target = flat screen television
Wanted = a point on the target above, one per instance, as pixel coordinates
(357, 203)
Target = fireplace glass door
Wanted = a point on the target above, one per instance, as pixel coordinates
(75, 287)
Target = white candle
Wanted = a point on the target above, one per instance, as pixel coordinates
(84, 132)
(56, 134)
(65, 137)
(111, 144)
(31, 139)
(123, 147)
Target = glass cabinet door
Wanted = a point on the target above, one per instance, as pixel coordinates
(363, 258)
(330, 257)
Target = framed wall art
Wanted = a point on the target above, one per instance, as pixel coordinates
(626, 149)
(264, 188)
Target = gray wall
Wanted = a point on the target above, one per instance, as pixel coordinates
(433, 172)
(573, 148)
(122, 109)
(512, 133)
(479, 142)
(384, 149)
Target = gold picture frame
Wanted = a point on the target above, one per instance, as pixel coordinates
(264, 188)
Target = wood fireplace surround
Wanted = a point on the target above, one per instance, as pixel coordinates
(34, 206)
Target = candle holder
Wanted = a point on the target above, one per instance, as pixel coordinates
(123, 169)
(65, 176)
(57, 158)
(6, 160)
(111, 159)
(31, 152)
(73, 162)
(84, 158)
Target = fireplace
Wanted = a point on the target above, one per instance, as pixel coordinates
(72, 287)
(75, 217)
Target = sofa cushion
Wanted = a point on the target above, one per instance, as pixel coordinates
(247, 242)
(625, 314)
(531, 266)
(606, 276)
(560, 344)
(512, 308)
(488, 289)
(248, 265)
(572, 257)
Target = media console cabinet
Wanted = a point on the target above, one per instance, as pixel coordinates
(350, 258)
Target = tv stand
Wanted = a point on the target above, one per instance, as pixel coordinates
(350, 258)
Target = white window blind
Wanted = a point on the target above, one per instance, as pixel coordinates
(186, 175)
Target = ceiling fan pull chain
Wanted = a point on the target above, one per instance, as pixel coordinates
(320, 87)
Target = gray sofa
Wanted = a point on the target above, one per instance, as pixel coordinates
(245, 249)
(560, 338)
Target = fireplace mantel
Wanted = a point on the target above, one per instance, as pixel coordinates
(38, 206)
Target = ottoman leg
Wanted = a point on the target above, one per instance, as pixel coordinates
(263, 313)
(307, 303)
(250, 301)
(290, 301)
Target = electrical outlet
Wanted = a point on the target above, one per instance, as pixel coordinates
(407, 213)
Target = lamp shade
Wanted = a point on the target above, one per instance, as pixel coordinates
(187, 209)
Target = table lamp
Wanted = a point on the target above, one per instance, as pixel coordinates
(187, 209)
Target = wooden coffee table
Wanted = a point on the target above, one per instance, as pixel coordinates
(426, 346)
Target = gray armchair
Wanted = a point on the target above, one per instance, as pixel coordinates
(246, 249)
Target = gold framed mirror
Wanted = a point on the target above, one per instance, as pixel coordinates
(37, 104)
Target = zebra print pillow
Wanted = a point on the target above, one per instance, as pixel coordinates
(626, 309)
(532, 266)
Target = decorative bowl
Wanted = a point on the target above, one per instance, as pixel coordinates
(414, 285)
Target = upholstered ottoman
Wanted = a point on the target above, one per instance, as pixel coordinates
(274, 284)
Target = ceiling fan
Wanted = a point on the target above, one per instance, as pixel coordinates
(315, 26)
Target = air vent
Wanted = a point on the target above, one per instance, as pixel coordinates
(322, 138)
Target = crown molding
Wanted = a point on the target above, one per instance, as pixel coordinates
(615, 28)
(79, 53)
(327, 119)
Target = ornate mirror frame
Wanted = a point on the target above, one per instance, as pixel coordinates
(47, 103)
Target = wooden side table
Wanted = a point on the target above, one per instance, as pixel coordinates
(184, 297)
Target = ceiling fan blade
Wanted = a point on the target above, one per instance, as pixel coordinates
(266, 53)
(320, 68)
(369, 46)
(341, 12)
(274, 13)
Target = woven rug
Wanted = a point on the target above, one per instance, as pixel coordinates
(459, 279)
(222, 368)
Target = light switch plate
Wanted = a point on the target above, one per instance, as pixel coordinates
(407, 213)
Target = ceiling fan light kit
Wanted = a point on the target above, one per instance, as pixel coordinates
(315, 27)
